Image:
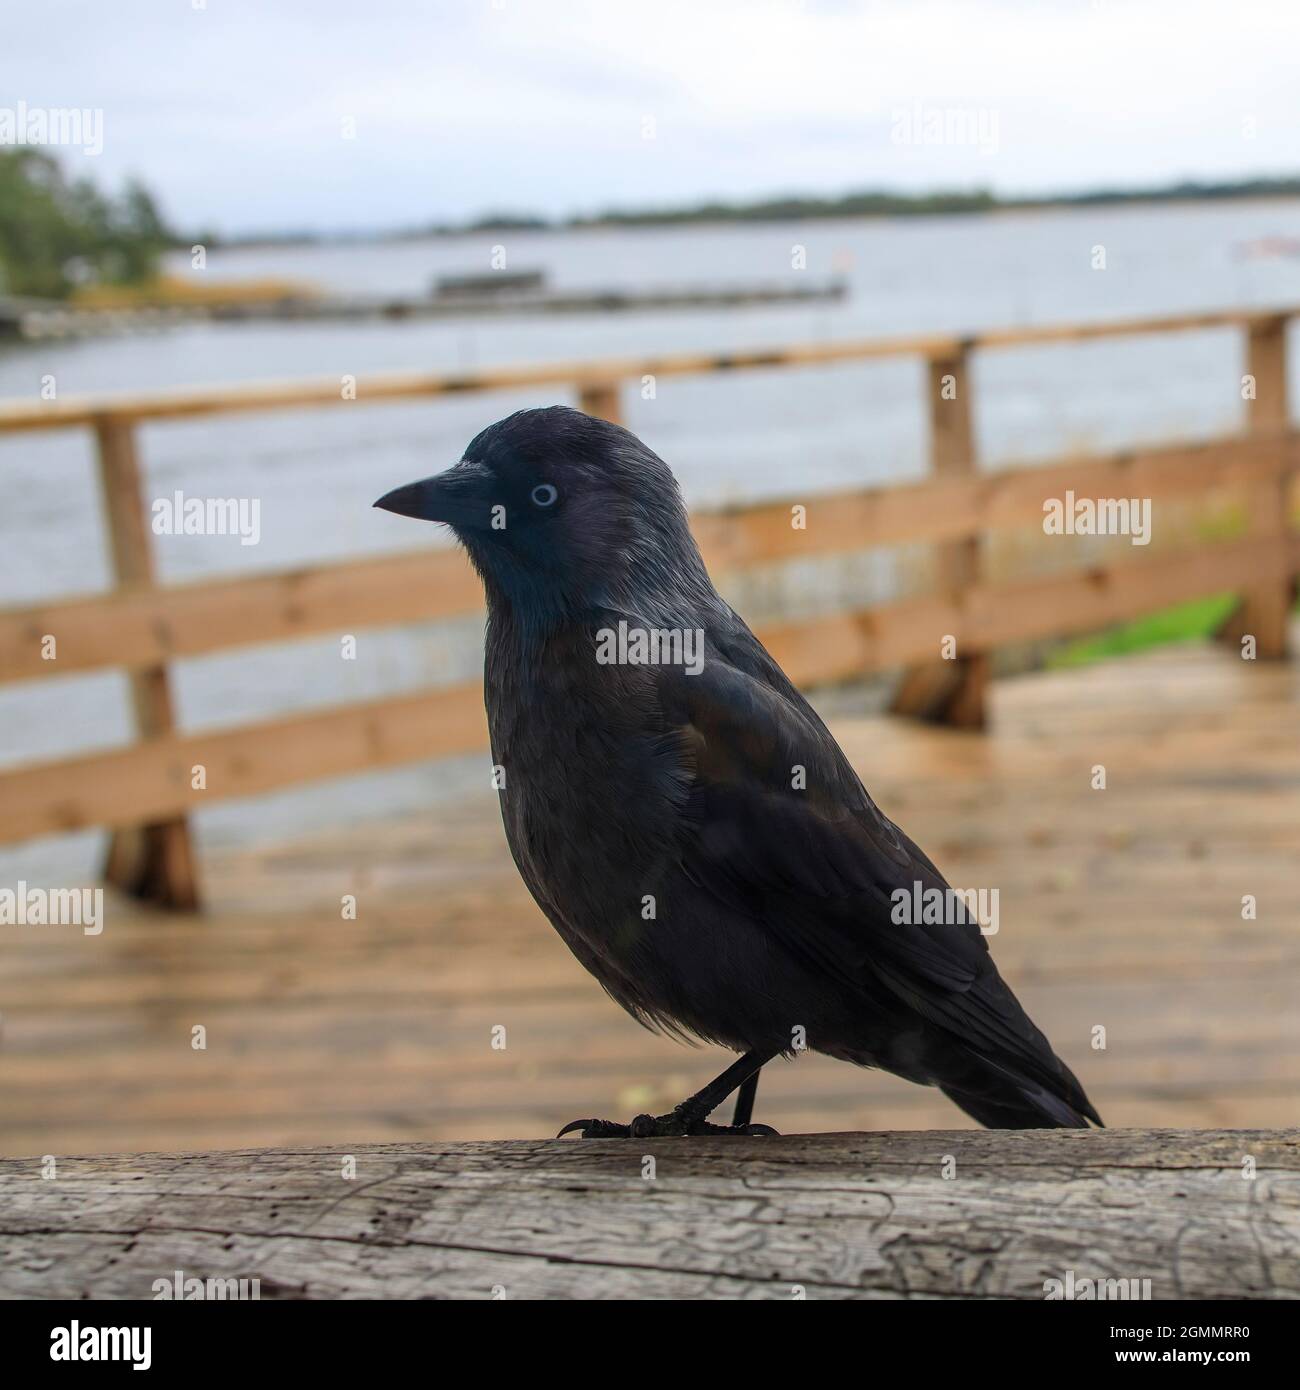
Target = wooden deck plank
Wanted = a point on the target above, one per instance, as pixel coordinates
(1118, 908)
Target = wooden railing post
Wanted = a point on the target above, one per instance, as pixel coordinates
(950, 691)
(601, 399)
(149, 861)
(1264, 610)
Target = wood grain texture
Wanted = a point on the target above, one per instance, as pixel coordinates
(930, 1214)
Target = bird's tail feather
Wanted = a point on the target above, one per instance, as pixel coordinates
(1017, 1112)
(1010, 1101)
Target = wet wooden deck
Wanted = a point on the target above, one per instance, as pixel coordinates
(1120, 909)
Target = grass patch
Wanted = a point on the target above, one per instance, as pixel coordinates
(1186, 622)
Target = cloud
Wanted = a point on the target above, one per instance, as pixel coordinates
(235, 112)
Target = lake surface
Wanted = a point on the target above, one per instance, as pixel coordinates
(746, 435)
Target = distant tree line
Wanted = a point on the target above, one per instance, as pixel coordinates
(879, 203)
(56, 232)
(793, 208)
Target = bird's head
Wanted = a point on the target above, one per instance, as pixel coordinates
(560, 511)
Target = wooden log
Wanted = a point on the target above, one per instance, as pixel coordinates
(1264, 609)
(1199, 1214)
(153, 860)
(952, 689)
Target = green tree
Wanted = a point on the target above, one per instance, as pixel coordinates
(51, 226)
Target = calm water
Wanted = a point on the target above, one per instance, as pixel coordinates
(743, 436)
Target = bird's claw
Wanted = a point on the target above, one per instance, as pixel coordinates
(674, 1125)
(597, 1129)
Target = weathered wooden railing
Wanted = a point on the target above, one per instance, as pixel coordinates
(143, 791)
(1043, 1214)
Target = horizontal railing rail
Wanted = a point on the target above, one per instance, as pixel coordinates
(144, 791)
(134, 628)
(152, 780)
(385, 387)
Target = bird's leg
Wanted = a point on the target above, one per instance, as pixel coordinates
(691, 1116)
(744, 1110)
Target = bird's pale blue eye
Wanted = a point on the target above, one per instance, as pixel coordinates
(544, 494)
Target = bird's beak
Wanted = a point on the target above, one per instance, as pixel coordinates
(462, 496)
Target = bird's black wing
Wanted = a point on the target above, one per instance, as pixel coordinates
(779, 825)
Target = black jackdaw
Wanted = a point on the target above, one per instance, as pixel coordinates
(688, 824)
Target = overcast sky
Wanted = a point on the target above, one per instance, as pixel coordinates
(236, 112)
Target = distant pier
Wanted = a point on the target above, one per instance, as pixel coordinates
(456, 297)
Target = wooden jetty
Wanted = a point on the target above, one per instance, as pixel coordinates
(1113, 1215)
(51, 319)
(365, 1047)
(394, 1072)
(144, 792)
(510, 303)
(1119, 909)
